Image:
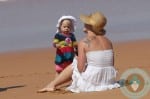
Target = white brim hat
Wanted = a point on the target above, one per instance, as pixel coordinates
(73, 19)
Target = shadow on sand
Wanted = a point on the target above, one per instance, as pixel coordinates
(11, 87)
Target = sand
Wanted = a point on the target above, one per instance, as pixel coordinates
(22, 73)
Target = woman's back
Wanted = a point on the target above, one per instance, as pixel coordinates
(100, 58)
(97, 43)
(99, 52)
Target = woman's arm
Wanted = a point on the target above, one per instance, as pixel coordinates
(81, 57)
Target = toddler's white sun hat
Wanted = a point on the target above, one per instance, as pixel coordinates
(73, 19)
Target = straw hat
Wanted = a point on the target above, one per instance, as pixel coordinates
(97, 20)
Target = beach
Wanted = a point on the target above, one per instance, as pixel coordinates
(25, 72)
(27, 28)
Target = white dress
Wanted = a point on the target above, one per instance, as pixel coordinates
(100, 73)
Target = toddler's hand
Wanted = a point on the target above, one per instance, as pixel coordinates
(58, 45)
(65, 44)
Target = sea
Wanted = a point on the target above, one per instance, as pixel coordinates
(28, 24)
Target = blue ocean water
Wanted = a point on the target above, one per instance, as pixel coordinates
(26, 24)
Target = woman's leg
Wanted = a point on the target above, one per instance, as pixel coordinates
(64, 76)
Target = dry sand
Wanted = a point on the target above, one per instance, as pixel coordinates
(22, 73)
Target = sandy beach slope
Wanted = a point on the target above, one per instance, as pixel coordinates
(22, 73)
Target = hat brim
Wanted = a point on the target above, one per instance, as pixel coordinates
(85, 19)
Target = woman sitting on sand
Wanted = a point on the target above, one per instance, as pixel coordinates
(93, 68)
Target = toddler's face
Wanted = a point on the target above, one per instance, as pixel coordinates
(66, 26)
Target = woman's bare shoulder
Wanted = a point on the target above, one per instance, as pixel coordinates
(82, 40)
(108, 42)
(82, 43)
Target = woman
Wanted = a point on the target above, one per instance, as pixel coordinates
(93, 68)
